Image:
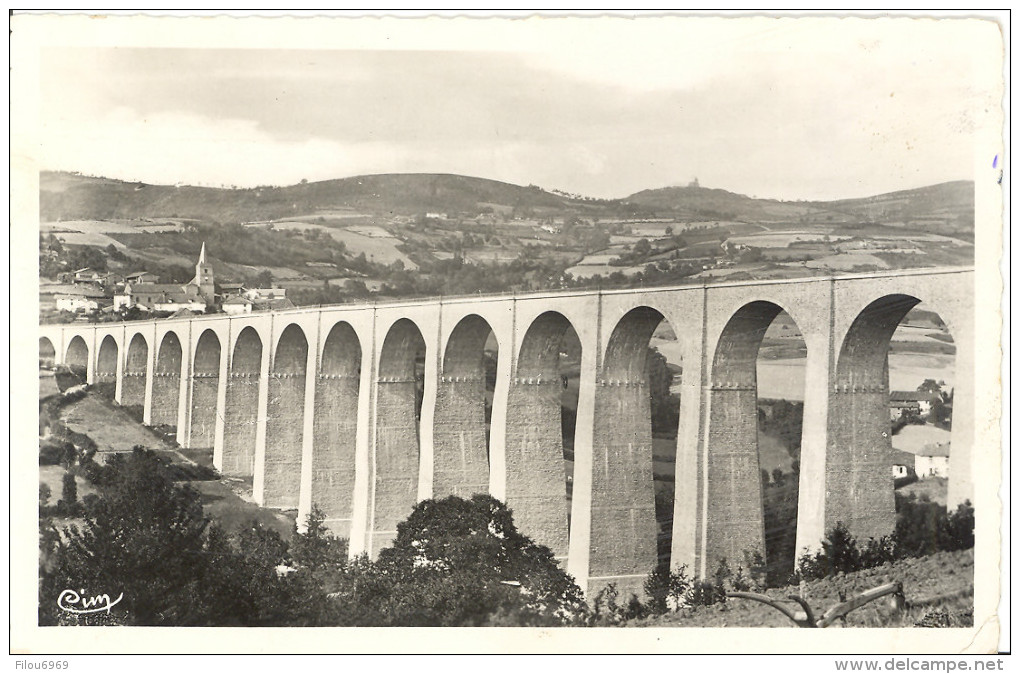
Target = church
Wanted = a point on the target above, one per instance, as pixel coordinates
(196, 295)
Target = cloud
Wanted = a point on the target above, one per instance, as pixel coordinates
(785, 109)
(174, 147)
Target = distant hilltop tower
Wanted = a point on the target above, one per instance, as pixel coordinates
(204, 277)
(694, 183)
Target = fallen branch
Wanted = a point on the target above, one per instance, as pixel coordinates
(806, 618)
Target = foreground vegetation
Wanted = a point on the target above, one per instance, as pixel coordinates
(454, 562)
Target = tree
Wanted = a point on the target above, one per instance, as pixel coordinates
(642, 248)
(264, 279)
(68, 493)
(463, 562)
(142, 536)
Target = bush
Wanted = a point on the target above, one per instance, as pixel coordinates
(705, 593)
(606, 610)
(69, 490)
(877, 552)
(53, 452)
(667, 590)
(922, 528)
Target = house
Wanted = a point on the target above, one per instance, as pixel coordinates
(141, 277)
(902, 464)
(160, 297)
(237, 305)
(68, 277)
(256, 294)
(932, 460)
(80, 300)
(231, 289)
(278, 304)
(911, 402)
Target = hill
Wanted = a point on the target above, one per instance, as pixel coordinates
(402, 235)
(701, 203)
(67, 196)
(946, 208)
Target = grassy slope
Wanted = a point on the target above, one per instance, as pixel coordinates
(944, 580)
(114, 430)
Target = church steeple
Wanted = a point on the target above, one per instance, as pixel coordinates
(204, 277)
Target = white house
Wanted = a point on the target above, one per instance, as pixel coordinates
(77, 302)
(902, 464)
(237, 305)
(196, 306)
(255, 294)
(932, 461)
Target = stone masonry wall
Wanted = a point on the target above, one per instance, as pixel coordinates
(166, 393)
(204, 390)
(396, 460)
(535, 469)
(734, 523)
(284, 432)
(858, 482)
(133, 389)
(623, 527)
(461, 451)
(239, 424)
(335, 431)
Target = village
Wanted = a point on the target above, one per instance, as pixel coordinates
(89, 295)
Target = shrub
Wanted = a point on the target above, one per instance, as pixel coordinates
(69, 489)
(754, 573)
(667, 590)
(924, 527)
(52, 453)
(936, 618)
(877, 552)
(961, 527)
(705, 593)
(605, 610)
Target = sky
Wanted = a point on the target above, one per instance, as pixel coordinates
(780, 109)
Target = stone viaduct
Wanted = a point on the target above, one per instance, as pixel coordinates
(318, 406)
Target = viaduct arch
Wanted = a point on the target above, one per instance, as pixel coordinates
(363, 409)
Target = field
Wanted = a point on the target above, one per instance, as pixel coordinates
(940, 582)
(913, 437)
(376, 243)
